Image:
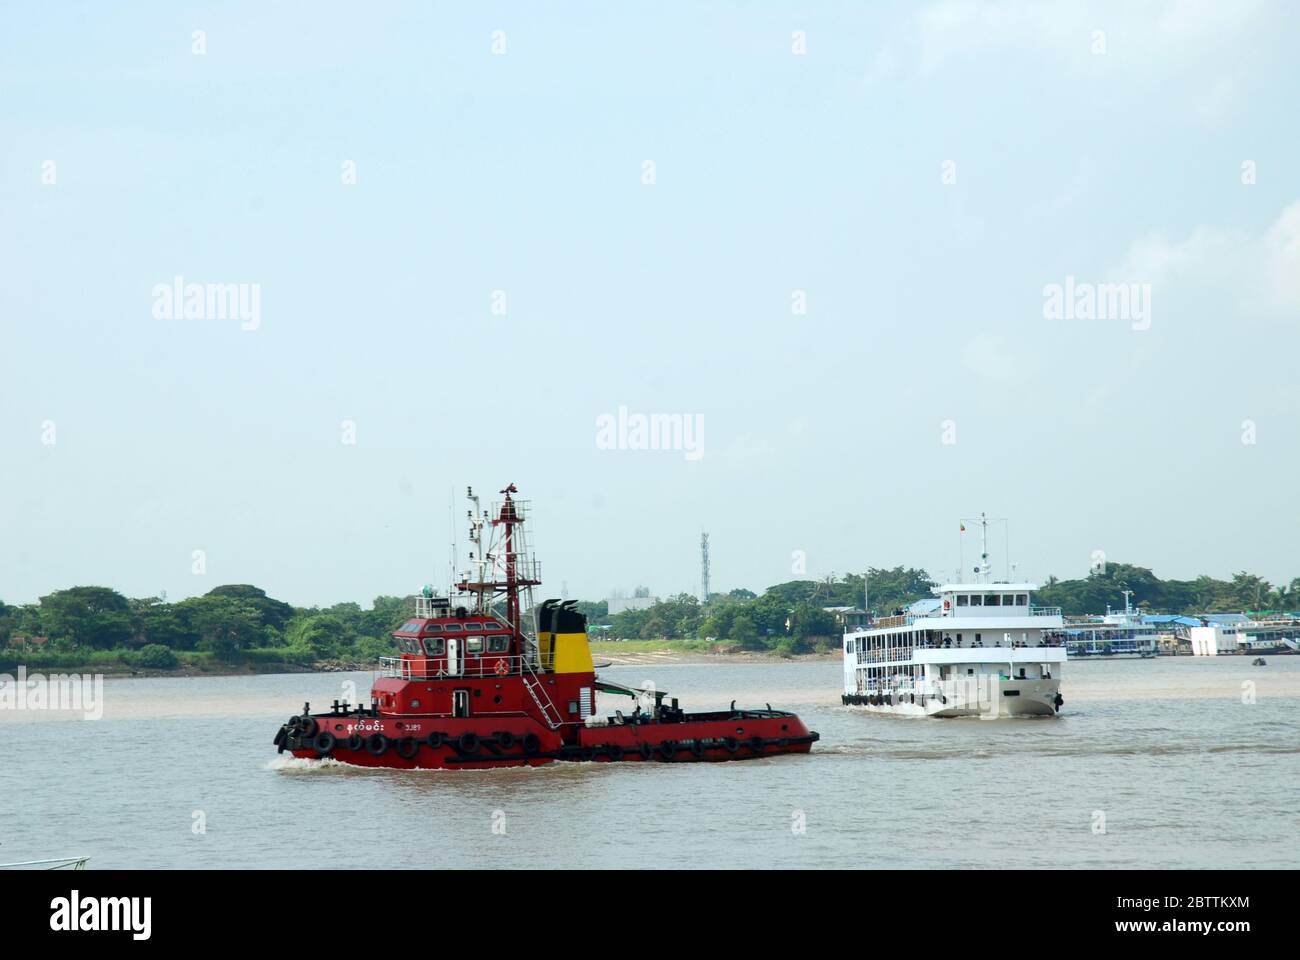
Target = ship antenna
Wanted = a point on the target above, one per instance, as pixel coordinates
(984, 548)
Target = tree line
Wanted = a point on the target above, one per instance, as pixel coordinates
(239, 623)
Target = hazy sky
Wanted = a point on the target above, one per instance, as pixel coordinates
(917, 177)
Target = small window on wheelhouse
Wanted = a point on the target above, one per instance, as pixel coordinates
(453, 628)
(963, 600)
(435, 646)
(498, 644)
(473, 644)
(433, 628)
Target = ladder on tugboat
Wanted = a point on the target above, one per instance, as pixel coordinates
(533, 684)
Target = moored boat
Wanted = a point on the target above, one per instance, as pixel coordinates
(473, 687)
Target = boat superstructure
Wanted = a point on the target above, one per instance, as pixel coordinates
(483, 678)
(1120, 633)
(977, 649)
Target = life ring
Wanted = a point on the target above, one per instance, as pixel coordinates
(531, 743)
(646, 751)
(757, 743)
(468, 742)
(325, 742)
(615, 751)
(505, 739)
(697, 748)
(435, 739)
(377, 744)
(407, 748)
(502, 668)
(356, 742)
(730, 745)
(667, 748)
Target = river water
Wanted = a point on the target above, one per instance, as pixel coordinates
(1155, 763)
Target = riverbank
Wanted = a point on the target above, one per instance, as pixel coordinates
(603, 652)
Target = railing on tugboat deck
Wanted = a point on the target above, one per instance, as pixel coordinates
(487, 666)
(1045, 611)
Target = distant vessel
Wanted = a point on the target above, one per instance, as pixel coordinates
(1121, 633)
(980, 649)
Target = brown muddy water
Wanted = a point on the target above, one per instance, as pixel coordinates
(1152, 763)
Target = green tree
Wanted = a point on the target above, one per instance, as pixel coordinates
(224, 625)
(88, 616)
(321, 635)
(744, 632)
(273, 613)
(154, 656)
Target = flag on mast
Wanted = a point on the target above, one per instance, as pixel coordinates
(963, 528)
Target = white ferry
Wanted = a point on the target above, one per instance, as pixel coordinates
(979, 650)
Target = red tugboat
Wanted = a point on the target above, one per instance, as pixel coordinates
(472, 689)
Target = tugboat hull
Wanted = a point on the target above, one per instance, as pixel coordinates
(439, 743)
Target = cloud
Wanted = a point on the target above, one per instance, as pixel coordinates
(1173, 29)
(1259, 272)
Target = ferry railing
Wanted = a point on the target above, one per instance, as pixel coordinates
(1045, 611)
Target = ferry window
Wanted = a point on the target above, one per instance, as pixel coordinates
(962, 600)
(498, 644)
(435, 646)
(992, 599)
(433, 628)
(976, 600)
(453, 628)
(1022, 599)
(411, 626)
(473, 644)
(491, 625)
